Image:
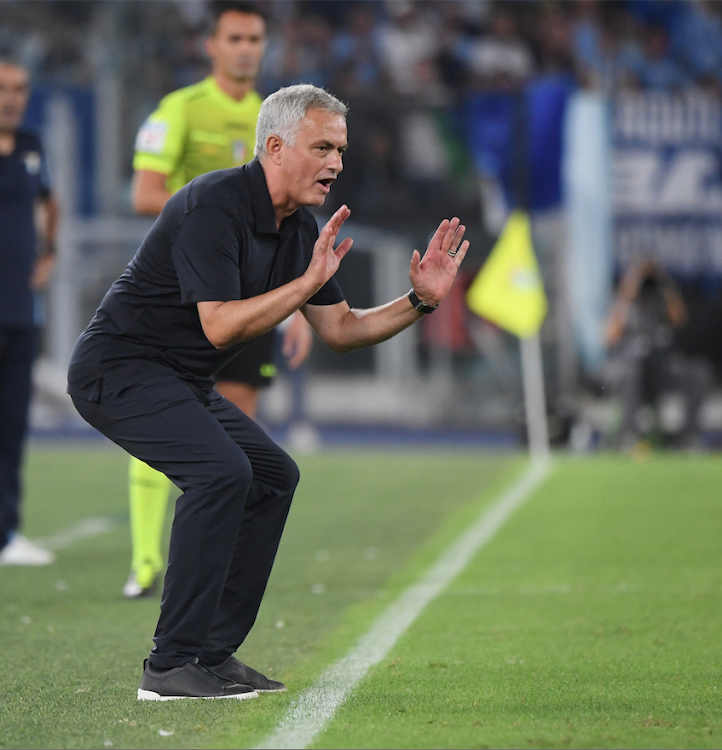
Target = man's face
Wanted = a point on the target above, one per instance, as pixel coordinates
(14, 93)
(237, 46)
(315, 160)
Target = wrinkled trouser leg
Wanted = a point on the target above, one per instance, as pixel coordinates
(237, 489)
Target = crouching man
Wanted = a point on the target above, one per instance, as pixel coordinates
(233, 254)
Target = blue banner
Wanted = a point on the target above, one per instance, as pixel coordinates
(517, 139)
(667, 181)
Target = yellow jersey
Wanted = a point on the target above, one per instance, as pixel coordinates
(195, 130)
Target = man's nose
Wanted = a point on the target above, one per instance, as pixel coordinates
(336, 162)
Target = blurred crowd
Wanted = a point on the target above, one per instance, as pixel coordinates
(406, 68)
(427, 49)
(415, 73)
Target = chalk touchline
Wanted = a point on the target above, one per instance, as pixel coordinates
(84, 529)
(315, 707)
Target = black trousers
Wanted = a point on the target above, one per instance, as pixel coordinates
(17, 352)
(237, 488)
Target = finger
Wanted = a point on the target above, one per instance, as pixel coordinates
(415, 260)
(340, 213)
(343, 248)
(449, 234)
(339, 217)
(336, 221)
(456, 241)
(299, 354)
(438, 236)
(461, 253)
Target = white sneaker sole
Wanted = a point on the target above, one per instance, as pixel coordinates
(149, 695)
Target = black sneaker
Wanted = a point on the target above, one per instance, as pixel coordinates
(236, 671)
(189, 681)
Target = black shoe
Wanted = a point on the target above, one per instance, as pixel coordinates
(236, 671)
(189, 681)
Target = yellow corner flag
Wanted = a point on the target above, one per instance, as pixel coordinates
(508, 290)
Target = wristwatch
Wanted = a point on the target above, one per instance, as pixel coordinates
(420, 306)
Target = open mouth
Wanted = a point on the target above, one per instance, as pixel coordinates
(325, 184)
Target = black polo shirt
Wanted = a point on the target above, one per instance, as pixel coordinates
(23, 180)
(215, 240)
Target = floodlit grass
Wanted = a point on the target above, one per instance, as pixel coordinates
(362, 527)
(592, 620)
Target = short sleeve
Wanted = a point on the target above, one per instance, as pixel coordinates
(206, 254)
(329, 294)
(159, 143)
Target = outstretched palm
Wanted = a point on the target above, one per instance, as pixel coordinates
(433, 275)
(325, 259)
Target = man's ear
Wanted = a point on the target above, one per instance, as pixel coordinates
(274, 148)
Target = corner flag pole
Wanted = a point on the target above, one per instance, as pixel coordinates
(509, 291)
(534, 397)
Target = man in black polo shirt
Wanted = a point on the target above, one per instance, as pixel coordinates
(25, 265)
(232, 255)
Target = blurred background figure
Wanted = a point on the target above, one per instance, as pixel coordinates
(501, 59)
(28, 220)
(645, 361)
(655, 68)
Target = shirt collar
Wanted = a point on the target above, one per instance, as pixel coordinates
(217, 93)
(263, 213)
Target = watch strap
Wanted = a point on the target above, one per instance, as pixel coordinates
(420, 306)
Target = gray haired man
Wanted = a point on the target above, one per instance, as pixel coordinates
(232, 255)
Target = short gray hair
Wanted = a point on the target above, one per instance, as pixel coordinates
(283, 111)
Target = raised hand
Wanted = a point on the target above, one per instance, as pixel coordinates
(325, 259)
(297, 341)
(433, 275)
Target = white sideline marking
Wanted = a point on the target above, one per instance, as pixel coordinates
(315, 707)
(81, 530)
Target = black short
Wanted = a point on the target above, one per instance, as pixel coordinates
(253, 365)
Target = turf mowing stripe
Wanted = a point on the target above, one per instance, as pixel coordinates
(81, 530)
(315, 707)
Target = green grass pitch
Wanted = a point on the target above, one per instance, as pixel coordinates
(592, 619)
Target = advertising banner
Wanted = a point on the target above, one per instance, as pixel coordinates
(667, 181)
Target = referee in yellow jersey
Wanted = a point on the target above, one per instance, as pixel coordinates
(210, 125)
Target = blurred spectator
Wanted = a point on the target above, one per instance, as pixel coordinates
(373, 183)
(300, 54)
(501, 59)
(554, 41)
(644, 360)
(356, 52)
(654, 68)
(596, 48)
(409, 47)
(698, 41)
